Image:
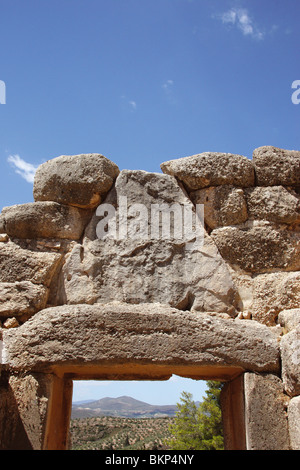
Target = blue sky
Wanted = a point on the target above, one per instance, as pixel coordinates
(143, 81)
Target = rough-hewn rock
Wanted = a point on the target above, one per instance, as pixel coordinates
(2, 224)
(223, 205)
(273, 203)
(290, 319)
(211, 169)
(21, 298)
(18, 264)
(143, 269)
(294, 422)
(266, 426)
(275, 166)
(45, 220)
(264, 296)
(155, 333)
(290, 356)
(258, 248)
(77, 180)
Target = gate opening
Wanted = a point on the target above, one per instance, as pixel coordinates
(130, 415)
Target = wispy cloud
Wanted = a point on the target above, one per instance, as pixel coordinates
(168, 88)
(167, 85)
(22, 168)
(129, 104)
(240, 18)
(132, 104)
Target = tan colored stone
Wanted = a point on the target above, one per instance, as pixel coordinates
(258, 248)
(146, 333)
(24, 406)
(45, 220)
(11, 323)
(265, 413)
(211, 169)
(294, 422)
(274, 203)
(223, 205)
(21, 298)
(2, 224)
(137, 269)
(273, 293)
(290, 357)
(77, 180)
(290, 319)
(18, 264)
(265, 297)
(275, 166)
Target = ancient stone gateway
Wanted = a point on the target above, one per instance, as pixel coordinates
(96, 282)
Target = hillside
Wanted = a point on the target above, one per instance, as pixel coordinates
(111, 433)
(125, 407)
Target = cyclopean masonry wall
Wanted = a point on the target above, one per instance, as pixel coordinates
(74, 305)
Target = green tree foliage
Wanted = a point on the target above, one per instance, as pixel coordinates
(198, 428)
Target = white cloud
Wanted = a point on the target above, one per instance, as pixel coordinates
(22, 168)
(133, 105)
(168, 85)
(240, 18)
(168, 89)
(128, 104)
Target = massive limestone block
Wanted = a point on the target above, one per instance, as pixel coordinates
(77, 180)
(270, 296)
(223, 205)
(25, 405)
(140, 268)
(22, 299)
(294, 422)
(258, 248)
(45, 220)
(275, 166)
(158, 335)
(273, 293)
(18, 264)
(290, 356)
(265, 413)
(211, 169)
(273, 203)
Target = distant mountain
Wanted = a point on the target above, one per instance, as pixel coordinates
(125, 407)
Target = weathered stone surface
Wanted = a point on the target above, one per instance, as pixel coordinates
(45, 220)
(290, 356)
(11, 323)
(223, 205)
(18, 264)
(258, 248)
(24, 404)
(21, 298)
(275, 166)
(4, 237)
(294, 422)
(77, 180)
(146, 333)
(2, 224)
(265, 413)
(264, 296)
(274, 203)
(211, 169)
(143, 269)
(290, 319)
